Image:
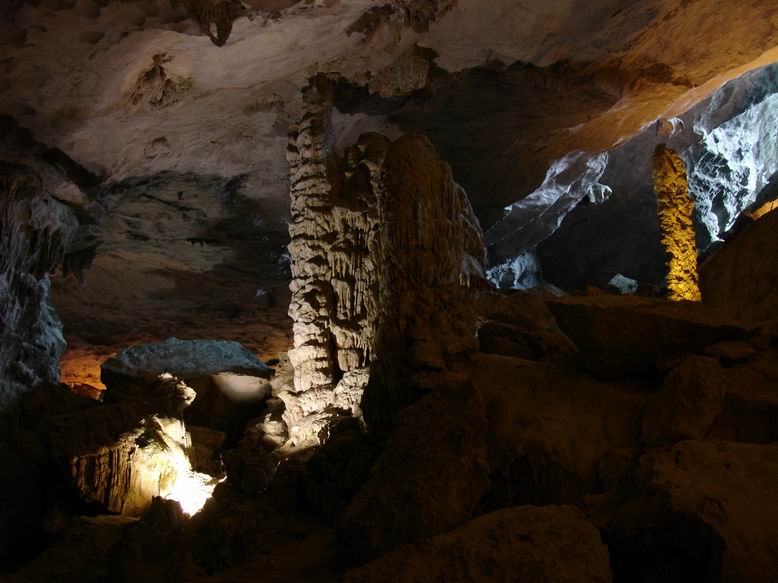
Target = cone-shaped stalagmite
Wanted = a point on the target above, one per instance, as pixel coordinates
(675, 216)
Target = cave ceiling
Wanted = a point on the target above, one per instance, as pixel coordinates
(181, 112)
(134, 88)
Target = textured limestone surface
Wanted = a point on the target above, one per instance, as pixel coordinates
(749, 257)
(36, 228)
(378, 233)
(419, 410)
(151, 93)
(675, 218)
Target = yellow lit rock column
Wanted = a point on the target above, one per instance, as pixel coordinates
(675, 217)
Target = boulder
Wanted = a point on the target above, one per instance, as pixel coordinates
(336, 471)
(553, 544)
(750, 411)
(251, 466)
(727, 398)
(230, 382)
(691, 399)
(429, 478)
(118, 460)
(206, 448)
(188, 360)
(121, 455)
(520, 324)
(550, 428)
(154, 549)
(619, 336)
(697, 511)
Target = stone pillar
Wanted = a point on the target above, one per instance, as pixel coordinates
(675, 216)
(383, 244)
(333, 287)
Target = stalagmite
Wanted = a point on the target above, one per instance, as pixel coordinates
(382, 237)
(333, 276)
(675, 216)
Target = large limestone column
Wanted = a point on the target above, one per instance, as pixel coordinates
(429, 249)
(333, 288)
(675, 216)
(384, 245)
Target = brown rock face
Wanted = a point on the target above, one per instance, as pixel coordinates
(712, 492)
(550, 430)
(554, 543)
(741, 277)
(691, 399)
(383, 243)
(621, 336)
(429, 479)
(675, 216)
(429, 251)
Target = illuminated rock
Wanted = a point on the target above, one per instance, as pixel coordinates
(124, 454)
(675, 216)
(230, 382)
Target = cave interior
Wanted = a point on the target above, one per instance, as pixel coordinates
(388, 291)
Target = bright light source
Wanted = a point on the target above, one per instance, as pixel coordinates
(192, 490)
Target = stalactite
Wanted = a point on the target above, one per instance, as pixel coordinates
(675, 215)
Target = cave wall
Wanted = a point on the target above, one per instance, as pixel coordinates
(35, 230)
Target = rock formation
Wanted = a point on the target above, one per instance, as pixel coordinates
(382, 238)
(516, 544)
(675, 217)
(740, 278)
(365, 405)
(333, 286)
(35, 232)
(230, 382)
